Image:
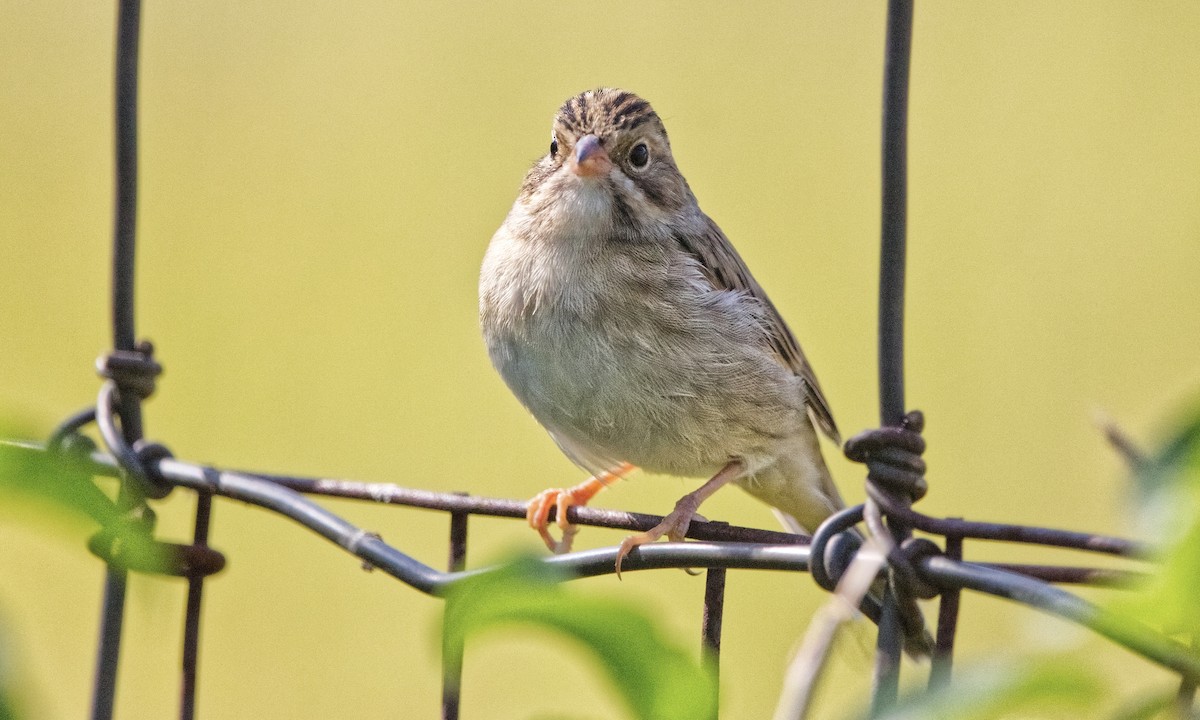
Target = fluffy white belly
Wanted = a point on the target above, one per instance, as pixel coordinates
(666, 401)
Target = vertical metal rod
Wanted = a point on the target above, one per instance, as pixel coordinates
(124, 223)
(452, 672)
(714, 611)
(104, 689)
(891, 299)
(894, 220)
(943, 653)
(125, 213)
(886, 685)
(458, 540)
(191, 621)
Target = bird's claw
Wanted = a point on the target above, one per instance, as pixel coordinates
(537, 510)
(537, 514)
(674, 526)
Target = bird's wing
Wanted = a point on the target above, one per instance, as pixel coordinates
(726, 270)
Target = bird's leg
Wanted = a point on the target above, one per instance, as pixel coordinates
(537, 510)
(675, 525)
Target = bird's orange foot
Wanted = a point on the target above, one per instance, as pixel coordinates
(537, 514)
(674, 526)
(537, 510)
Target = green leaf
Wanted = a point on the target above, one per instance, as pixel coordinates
(60, 484)
(61, 481)
(7, 712)
(10, 695)
(1168, 485)
(657, 679)
(1169, 515)
(1038, 688)
(1161, 705)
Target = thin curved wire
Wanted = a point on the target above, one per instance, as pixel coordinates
(1139, 639)
(70, 426)
(937, 569)
(102, 464)
(111, 433)
(1006, 532)
(1021, 583)
(371, 548)
(497, 507)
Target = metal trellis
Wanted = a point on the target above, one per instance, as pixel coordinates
(918, 568)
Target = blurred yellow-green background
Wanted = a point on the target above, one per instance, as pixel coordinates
(319, 182)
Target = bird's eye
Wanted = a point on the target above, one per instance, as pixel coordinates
(639, 156)
(553, 146)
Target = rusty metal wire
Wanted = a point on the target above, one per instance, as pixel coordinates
(918, 567)
(496, 507)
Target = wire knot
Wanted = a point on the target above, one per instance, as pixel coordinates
(895, 480)
(148, 455)
(893, 457)
(913, 550)
(132, 371)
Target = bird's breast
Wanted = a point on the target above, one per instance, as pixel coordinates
(633, 355)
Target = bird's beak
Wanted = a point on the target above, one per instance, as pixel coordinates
(590, 158)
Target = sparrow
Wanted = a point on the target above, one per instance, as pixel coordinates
(625, 321)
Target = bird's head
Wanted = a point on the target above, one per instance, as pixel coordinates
(609, 153)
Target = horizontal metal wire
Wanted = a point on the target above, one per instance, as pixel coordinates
(498, 507)
(1006, 532)
(206, 479)
(1023, 583)
(282, 494)
(940, 571)
(1029, 591)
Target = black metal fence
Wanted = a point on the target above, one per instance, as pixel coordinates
(917, 568)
